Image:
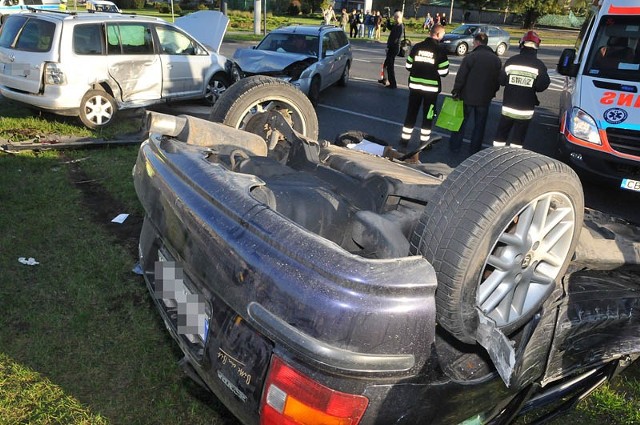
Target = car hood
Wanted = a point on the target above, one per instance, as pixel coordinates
(262, 61)
(206, 26)
(454, 37)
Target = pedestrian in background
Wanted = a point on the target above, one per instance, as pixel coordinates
(377, 26)
(523, 76)
(360, 24)
(443, 20)
(368, 24)
(427, 63)
(344, 20)
(428, 22)
(393, 47)
(353, 24)
(476, 84)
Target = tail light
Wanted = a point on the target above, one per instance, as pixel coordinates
(53, 75)
(293, 398)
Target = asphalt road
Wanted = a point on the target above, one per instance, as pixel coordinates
(367, 106)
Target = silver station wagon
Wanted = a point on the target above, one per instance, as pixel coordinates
(311, 57)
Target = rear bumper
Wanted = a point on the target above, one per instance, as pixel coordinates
(54, 100)
(270, 287)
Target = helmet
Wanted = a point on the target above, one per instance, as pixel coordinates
(530, 39)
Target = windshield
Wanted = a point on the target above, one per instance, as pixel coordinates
(464, 30)
(290, 43)
(615, 52)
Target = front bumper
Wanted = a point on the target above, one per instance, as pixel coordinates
(609, 168)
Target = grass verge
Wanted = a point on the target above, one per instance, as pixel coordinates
(81, 341)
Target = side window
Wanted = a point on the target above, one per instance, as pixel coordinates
(10, 30)
(332, 41)
(341, 38)
(173, 42)
(113, 40)
(327, 44)
(87, 39)
(36, 36)
(129, 39)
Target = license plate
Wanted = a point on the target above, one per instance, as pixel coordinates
(630, 185)
(16, 69)
(189, 309)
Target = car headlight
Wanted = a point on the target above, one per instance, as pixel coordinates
(583, 126)
(446, 41)
(233, 71)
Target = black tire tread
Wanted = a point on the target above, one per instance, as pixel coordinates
(246, 88)
(464, 207)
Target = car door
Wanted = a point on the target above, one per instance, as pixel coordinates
(132, 62)
(185, 63)
(494, 37)
(334, 57)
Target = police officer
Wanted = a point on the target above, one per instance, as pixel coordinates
(522, 76)
(427, 63)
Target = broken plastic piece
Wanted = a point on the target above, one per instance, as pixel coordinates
(499, 347)
(137, 269)
(120, 218)
(28, 261)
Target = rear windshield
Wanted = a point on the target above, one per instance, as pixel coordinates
(28, 34)
(615, 51)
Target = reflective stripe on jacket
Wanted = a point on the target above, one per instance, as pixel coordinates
(427, 63)
(523, 76)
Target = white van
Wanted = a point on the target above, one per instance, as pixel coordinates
(600, 103)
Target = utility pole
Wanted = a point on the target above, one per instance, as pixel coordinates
(257, 13)
(451, 12)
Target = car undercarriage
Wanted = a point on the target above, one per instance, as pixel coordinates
(406, 295)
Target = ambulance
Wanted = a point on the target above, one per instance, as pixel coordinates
(600, 102)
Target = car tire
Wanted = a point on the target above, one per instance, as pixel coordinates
(314, 91)
(97, 109)
(344, 79)
(215, 87)
(462, 49)
(240, 102)
(480, 233)
(501, 49)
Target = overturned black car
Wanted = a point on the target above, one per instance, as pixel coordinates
(312, 283)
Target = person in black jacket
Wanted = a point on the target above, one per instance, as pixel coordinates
(427, 63)
(523, 76)
(393, 47)
(476, 84)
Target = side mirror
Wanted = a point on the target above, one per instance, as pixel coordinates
(566, 65)
(328, 53)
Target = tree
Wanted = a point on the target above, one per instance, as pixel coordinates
(531, 10)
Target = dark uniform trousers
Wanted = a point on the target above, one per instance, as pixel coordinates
(517, 128)
(427, 100)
